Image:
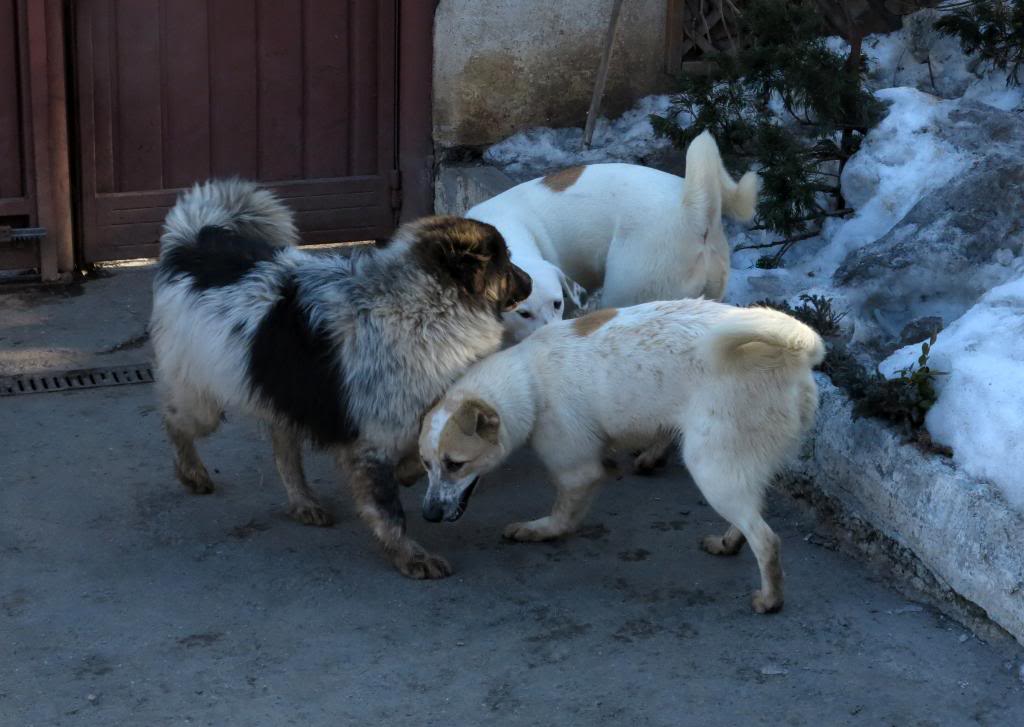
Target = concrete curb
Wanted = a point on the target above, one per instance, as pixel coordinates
(459, 187)
(963, 531)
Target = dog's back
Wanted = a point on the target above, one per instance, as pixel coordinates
(678, 365)
(640, 233)
(572, 216)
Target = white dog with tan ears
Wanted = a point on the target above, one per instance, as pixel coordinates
(638, 233)
(733, 384)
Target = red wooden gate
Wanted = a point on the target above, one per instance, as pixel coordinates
(33, 139)
(298, 95)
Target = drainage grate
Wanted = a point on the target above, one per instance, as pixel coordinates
(80, 379)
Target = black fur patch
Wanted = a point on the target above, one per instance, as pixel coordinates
(219, 257)
(294, 367)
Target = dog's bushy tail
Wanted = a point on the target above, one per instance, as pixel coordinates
(710, 192)
(233, 204)
(763, 338)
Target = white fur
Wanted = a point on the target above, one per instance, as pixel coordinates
(234, 204)
(640, 233)
(733, 384)
(547, 300)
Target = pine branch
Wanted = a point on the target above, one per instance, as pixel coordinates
(777, 243)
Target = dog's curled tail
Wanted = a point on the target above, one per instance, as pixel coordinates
(233, 204)
(710, 192)
(765, 339)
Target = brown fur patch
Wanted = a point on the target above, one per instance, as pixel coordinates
(561, 181)
(589, 323)
(471, 254)
(471, 431)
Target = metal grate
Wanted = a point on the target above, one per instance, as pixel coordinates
(71, 380)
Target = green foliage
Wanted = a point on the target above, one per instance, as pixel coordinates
(992, 28)
(814, 310)
(905, 399)
(784, 62)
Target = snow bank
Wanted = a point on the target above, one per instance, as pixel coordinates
(900, 161)
(980, 410)
(629, 138)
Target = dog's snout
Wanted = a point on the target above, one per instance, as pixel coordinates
(433, 511)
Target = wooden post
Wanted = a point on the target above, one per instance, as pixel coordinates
(46, 98)
(602, 73)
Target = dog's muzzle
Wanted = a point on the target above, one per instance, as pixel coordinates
(435, 509)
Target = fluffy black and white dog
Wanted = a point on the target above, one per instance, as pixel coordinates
(348, 352)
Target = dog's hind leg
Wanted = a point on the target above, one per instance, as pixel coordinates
(736, 494)
(302, 503)
(189, 415)
(375, 490)
(576, 489)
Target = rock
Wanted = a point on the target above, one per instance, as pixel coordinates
(859, 181)
(919, 329)
(953, 245)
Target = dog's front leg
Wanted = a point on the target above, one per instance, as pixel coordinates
(375, 490)
(576, 490)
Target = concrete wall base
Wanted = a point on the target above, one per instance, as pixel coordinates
(963, 533)
(459, 187)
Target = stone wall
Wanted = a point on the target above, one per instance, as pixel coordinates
(501, 66)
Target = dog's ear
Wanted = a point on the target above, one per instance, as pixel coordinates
(573, 290)
(477, 419)
(518, 287)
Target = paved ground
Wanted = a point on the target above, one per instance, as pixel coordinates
(125, 601)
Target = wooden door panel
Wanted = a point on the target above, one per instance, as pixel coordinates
(299, 95)
(12, 138)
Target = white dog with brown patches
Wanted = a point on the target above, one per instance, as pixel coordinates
(733, 384)
(638, 233)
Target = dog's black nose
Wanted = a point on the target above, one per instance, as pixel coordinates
(433, 512)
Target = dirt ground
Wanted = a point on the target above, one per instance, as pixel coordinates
(126, 601)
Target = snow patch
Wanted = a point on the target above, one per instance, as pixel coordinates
(629, 138)
(980, 409)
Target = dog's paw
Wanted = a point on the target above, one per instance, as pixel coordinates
(196, 481)
(531, 532)
(763, 604)
(424, 566)
(312, 513)
(716, 545)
